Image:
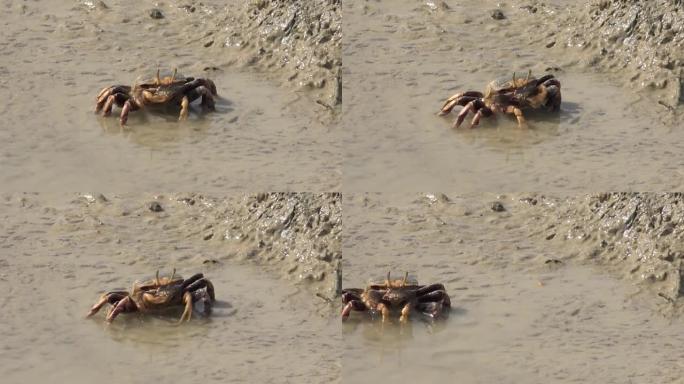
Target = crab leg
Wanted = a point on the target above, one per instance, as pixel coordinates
(210, 290)
(102, 97)
(202, 283)
(432, 299)
(192, 279)
(436, 296)
(187, 313)
(459, 99)
(106, 92)
(474, 106)
(511, 109)
(185, 103)
(384, 311)
(433, 309)
(124, 305)
(355, 305)
(429, 288)
(553, 88)
(352, 301)
(118, 98)
(196, 83)
(405, 313)
(109, 297)
(544, 79)
(127, 107)
(484, 111)
(205, 298)
(207, 97)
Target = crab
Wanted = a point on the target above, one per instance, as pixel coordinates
(402, 295)
(159, 293)
(505, 95)
(175, 90)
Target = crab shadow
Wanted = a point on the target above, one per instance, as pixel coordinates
(165, 318)
(502, 133)
(158, 126)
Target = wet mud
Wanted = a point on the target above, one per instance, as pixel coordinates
(521, 303)
(299, 42)
(60, 252)
(402, 62)
(638, 43)
(636, 236)
(262, 135)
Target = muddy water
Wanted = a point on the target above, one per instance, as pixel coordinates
(59, 253)
(515, 317)
(58, 55)
(402, 61)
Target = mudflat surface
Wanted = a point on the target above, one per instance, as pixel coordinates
(516, 315)
(261, 136)
(402, 61)
(58, 253)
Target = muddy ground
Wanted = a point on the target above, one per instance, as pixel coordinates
(536, 307)
(271, 258)
(636, 236)
(403, 61)
(268, 132)
(299, 42)
(637, 43)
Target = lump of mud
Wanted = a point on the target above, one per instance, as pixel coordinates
(497, 14)
(156, 207)
(498, 207)
(156, 13)
(296, 40)
(643, 38)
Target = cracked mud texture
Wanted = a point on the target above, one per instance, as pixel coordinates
(638, 236)
(641, 41)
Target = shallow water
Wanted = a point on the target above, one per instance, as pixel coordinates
(58, 55)
(59, 253)
(402, 62)
(514, 318)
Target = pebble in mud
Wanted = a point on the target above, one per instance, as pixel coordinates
(497, 14)
(498, 207)
(156, 207)
(156, 14)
